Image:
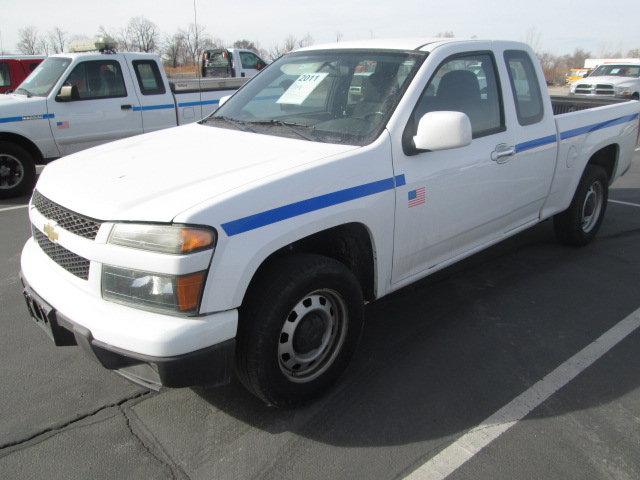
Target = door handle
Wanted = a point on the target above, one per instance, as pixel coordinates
(126, 107)
(502, 153)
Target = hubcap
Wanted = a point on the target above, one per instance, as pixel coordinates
(312, 335)
(11, 171)
(592, 206)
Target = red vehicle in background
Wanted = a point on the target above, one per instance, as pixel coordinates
(14, 69)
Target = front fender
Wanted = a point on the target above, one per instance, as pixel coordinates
(357, 187)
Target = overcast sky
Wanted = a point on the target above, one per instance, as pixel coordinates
(563, 25)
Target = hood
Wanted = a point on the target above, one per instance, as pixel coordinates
(156, 176)
(12, 105)
(612, 80)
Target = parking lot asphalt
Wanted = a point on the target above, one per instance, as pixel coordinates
(436, 359)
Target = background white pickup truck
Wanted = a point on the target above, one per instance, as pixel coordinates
(111, 96)
(621, 80)
(301, 198)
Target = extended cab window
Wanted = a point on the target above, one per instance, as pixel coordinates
(525, 87)
(249, 60)
(149, 78)
(98, 79)
(467, 84)
(5, 78)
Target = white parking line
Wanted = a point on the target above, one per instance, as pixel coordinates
(472, 442)
(625, 203)
(15, 207)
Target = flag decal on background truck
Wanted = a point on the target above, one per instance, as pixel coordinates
(64, 124)
(416, 197)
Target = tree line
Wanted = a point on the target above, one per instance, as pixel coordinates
(182, 47)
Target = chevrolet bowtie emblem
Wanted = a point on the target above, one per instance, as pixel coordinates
(50, 232)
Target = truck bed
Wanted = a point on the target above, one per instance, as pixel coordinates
(566, 104)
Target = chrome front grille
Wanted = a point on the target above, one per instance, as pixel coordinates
(72, 263)
(72, 222)
(599, 89)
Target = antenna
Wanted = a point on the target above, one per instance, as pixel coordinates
(197, 45)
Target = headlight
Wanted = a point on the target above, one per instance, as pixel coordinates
(173, 294)
(175, 239)
(622, 91)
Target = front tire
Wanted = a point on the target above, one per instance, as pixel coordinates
(17, 171)
(298, 329)
(578, 225)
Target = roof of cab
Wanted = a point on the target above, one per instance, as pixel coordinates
(105, 55)
(422, 44)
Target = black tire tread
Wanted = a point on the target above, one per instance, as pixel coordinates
(278, 278)
(29, 180)
(567, 224)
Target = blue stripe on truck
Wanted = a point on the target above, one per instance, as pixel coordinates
(296, 209)
(538, 142)
(195, 104)
(24, 118)
(138, 108)
(597, 126)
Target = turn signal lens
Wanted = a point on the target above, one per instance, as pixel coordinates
(189, 291)
(196, 239)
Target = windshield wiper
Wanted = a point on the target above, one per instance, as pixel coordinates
(26, 92)
(288, 125)
(239, 124)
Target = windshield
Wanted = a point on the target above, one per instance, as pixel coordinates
(324, 96)
(617, 71)
(44, 77)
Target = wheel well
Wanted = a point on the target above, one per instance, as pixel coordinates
(349, 244)
(24, 142)
(607, 158)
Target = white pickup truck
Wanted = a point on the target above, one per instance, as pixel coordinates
(79, 100)
(621, 80)
(252, 239)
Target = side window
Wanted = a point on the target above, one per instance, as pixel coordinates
(467, 84)
(149, 77)
(5, 77)
(249, 60)
(525, 87)
(98, 79)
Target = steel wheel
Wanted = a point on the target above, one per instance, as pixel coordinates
(312, 335)
(592, 206)
(11, 171)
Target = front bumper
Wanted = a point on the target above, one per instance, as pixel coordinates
(149, 348)
(208, 366)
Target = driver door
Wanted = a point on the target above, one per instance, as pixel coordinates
(453, 200)
(107, 108)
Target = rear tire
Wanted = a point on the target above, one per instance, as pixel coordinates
(299, 326)
(17, 171)
(578, 225)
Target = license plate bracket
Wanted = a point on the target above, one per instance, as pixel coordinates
(44, 315)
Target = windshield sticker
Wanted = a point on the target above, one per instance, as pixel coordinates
(299, 90)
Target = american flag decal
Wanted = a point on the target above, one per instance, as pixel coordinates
(416, 197)
(64, 124)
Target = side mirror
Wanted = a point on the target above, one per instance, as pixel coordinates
(68, 93)
(223, 100)
(260, 66)
(443, 131)
(172, 87)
